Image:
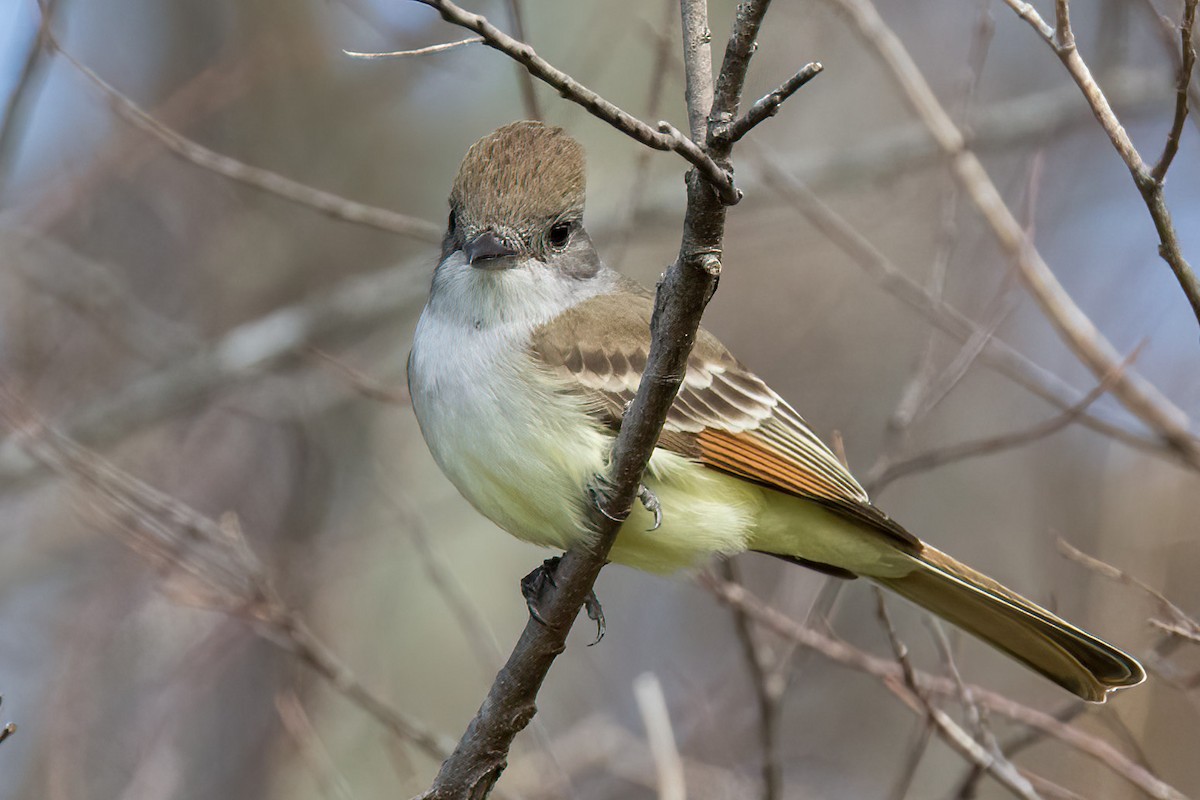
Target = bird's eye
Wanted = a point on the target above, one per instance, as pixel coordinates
(560, 232)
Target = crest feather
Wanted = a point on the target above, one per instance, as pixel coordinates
(521, 174)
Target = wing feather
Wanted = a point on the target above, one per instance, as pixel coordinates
(724, 416)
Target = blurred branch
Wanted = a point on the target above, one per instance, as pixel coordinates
(665, 138)
(241, 352)
(995, 353)
(326, 202)
(297, 724)
(886, 470)
(516, 18)
(1149, 180)
(10, 123)
(768, 691)
(683, 293)
(951, 732)
(846, 655)
(420, 51)
(1168, 31)
(1180, 623)
(205, 562)
(1090, 346)
(652, 705)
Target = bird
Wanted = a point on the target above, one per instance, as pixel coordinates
(527, 355)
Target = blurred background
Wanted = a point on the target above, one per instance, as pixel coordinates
(245, 353)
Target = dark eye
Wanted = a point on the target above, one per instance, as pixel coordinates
(560, 232)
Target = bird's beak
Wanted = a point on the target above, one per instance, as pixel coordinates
(487, 251)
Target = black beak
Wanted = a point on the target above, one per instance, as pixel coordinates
(484, 250)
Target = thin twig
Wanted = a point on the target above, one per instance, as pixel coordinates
(1183, 82)
(941, 456)
(528, 91)
(1180, 620)
(420, 51)
(846, 655)
(768, 105)
(951, 732)
(314, 753)
(326, 202)
(768, 690)
(665, 138)
(1149, 181)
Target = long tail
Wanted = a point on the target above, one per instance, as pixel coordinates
(1072, 658)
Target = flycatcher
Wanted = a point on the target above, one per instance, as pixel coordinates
(530, 349)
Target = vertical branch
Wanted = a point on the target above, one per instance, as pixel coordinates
(697, 60)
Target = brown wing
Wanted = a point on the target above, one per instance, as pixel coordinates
(724, 416)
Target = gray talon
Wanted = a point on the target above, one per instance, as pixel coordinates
(650, 503)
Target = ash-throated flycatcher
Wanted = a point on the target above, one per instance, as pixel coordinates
(522, 365)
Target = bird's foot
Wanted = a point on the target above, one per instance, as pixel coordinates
(600, 490)
(650, 503)
(533, 587)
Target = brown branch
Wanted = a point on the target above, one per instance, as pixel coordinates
(1183, 82)
(665, 138)
(768, 105)
(1090, 346)
(846, 655)
(1149, 181)
(697, 60)
(475, 766)
(326, 202)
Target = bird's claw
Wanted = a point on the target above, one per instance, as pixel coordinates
(650, 503)
(533, 586)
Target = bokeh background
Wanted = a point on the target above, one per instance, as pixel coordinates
(171, 318)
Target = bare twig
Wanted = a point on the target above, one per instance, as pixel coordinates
(768, 690)
(665, 138)
(768, 105)
(1183, 82)
(951, 732)
(366, 385)
(420, 51)
(849, 656)
(888, 471)
(272, 182)
(1090, 346)
(1149, 180)
(655, 716)
(1180, 620)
